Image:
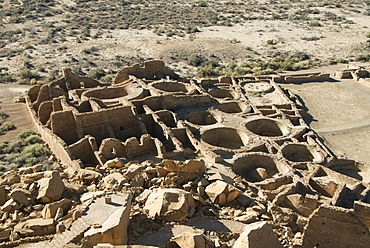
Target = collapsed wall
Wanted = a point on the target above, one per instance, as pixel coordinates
(214, 137)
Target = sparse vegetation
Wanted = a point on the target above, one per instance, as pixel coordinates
(27, 150)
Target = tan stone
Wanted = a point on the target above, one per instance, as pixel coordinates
(10, 205)
(3, 195)
(221, 192)
(169, 204)
(51, 187)
(51, 209)
(113, 163)
(133, 169)
(35, 227)
(89, 176)
(20, 196)
(330, 226)
(190, 240)
(193, 166)
(114, 180)
(258, 235)
(221, 177)
(111, 220)
(4, 235)
(247, 218)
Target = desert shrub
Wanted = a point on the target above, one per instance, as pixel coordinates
(363, 58)
(33, 139)
(7, 126)
(25, 134)
(342, 60)
(315, 24)
(36, 150)
(3, 115)
(98, 74)
(27, 74)
(196, 60)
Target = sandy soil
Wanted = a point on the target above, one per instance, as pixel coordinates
(17, 112)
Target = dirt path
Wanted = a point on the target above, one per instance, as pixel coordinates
(17, 112)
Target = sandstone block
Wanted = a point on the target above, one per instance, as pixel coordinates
(20, 196)
(330, 226)
(114, 180)
(51, 187)
(190, 240)
(258, 235)
(114, 163)
(169, 204)
(193, 166)
(4, 235)
(50, 209)
(89, 176)
(35, 227)
(221, 192)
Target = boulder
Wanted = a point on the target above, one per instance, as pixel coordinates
(221, 177)
(89, 176)
(190, 240)
(221, 192)
(35, 227)
(51, 209)
(20, 196)
(3, 195)
(247, 217)
(51, 187)
(169, 204)
(133, 169)
(114, 163)
(4, 235)
(258, 235)
(9, 205)
(330, 226)
(193, 166)
(114, 181)
(10, 178)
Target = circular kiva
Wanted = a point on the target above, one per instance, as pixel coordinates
(267, 127)
(225, 137)
(262, 87)
(203, 117)
(300, 153)
(220, 93)
(170, 86)
(234, 107)
(108, 93)
(255, 167)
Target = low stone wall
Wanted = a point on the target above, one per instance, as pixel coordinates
(56, 144)
(310, 77)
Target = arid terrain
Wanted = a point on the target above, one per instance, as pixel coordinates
(98, 37)
(250, 131)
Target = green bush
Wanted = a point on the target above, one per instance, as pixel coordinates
(33, 139)
(25, 134)
(3, 115)
(36, 150)
(6, 78)
(7, 126)
(196, 60)
(27, 74)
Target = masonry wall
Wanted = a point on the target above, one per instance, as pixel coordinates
(56, 144)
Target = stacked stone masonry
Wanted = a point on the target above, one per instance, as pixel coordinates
(235, 148)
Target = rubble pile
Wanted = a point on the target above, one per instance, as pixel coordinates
(160, 162)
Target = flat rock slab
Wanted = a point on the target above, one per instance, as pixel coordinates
(161, 237)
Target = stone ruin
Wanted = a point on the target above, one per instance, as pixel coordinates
(156, 160)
